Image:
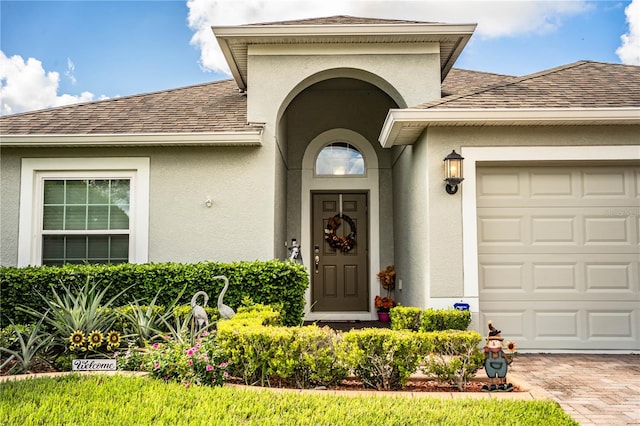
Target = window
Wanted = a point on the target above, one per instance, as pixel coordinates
(339, 159)
(85, 221)
(83, 210)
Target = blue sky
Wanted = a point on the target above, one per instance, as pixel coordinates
(57, 52)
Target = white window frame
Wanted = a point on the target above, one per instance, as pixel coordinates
(36, 170)
(335, 175)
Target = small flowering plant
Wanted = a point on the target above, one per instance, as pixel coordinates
(384, 304)
(200, 364)
(131, 359)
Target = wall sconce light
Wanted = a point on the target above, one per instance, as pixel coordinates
(208, 202)
(453, 171)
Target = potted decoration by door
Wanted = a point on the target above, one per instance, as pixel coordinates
(383, 304)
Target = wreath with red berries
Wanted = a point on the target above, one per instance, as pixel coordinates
(344, 244)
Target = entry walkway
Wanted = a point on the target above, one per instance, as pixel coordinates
(593, 389)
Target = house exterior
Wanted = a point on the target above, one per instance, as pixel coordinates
(333, 132)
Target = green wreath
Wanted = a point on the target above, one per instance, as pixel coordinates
(344, 244)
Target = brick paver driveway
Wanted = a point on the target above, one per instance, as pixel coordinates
(593, 389)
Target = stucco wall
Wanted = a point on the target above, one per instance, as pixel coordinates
(276, 72)
(411, 224)
(9, 201)
(444, 232)
(238, 226)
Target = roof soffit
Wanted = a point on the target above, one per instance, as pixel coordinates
(234, 41)
(404, 126)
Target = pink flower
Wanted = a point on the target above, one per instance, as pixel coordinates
(209, 367)
(156, 366)
(191, 351)
(204, 333)
(190, 362)
(155, 346)
(225, 375)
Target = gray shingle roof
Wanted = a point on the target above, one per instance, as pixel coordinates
(208, 107)
(582, 84)
(459, 81)
(219, 107)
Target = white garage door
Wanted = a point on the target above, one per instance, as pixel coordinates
(559, 254)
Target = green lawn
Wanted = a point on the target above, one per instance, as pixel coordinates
(125, 400)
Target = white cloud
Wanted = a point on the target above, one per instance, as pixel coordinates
(26, 86)
(629, 51)
(494, 18)
(70, 70)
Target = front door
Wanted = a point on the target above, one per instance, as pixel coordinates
(339, 278)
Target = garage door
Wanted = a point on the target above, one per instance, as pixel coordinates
(558, 254)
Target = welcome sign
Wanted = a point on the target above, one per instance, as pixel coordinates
(93, 365)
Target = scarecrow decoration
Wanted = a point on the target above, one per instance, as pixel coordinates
(497, 361)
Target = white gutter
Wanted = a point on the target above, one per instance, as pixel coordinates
(403, 126)
(250, 138)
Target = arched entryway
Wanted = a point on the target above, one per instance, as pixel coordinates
(346, 114)
(342, 279)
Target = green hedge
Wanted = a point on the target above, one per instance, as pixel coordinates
(267, 282)
(416, 319)
(311, 356)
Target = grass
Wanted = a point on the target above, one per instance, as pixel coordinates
(125, 400)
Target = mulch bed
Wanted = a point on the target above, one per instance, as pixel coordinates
(413, 385)
(351, 384)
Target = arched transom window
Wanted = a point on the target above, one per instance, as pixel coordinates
(339, 159)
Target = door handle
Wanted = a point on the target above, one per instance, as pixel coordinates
(316, 259)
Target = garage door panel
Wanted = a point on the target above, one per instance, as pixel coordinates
(596, 273)
(612, 325)
(501, 230)
(592, 227)
(607, 183)
(551, 184)
(562, 186)
(559, 255)
(514, 323)
(562, 325)
(600, 230)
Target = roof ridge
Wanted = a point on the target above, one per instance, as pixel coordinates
(508, 82)
(321, 20)
(117, 98)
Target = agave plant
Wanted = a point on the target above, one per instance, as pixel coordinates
(147, 323)
(85, 310)
(31, 346)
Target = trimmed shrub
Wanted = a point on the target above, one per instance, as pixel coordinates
(302, 356)
(314, 352)
(452, 356)
(267, 282)
(381, 358)
(405, 318)
(444, 319)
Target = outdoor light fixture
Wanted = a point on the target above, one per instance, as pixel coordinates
(453, 171)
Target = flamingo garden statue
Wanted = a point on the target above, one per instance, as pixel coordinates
(225, 311)
(199, 314)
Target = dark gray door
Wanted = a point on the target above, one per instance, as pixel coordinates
(339, 277)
